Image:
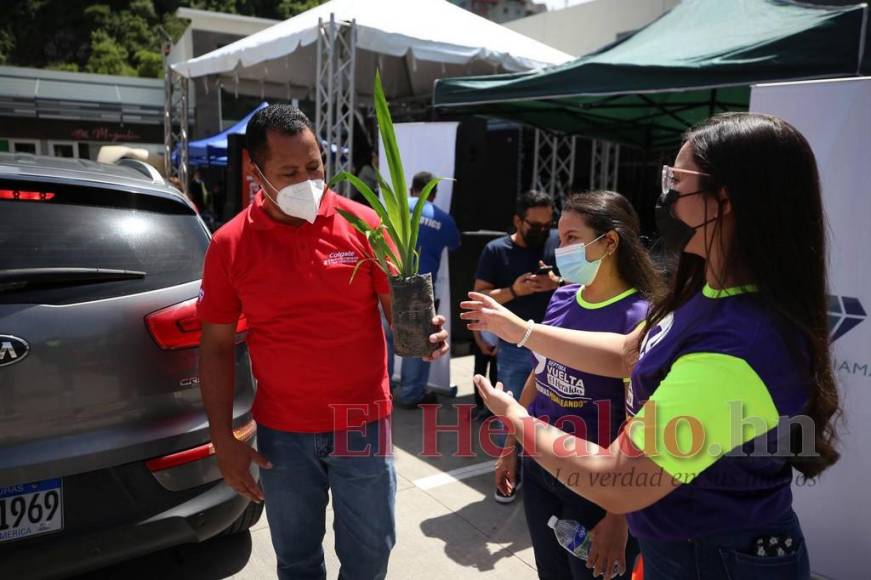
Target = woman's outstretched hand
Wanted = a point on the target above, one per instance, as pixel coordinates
(484, 313)
(500, 403)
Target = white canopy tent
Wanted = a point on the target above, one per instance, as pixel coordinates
(413, 42)
(330, 53)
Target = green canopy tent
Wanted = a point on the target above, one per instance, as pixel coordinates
(698, 59)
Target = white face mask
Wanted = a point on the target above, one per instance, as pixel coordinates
(300, 200)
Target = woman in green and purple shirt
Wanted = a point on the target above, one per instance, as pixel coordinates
(731, 379)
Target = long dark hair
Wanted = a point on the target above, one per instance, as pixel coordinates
(770, 174)
(604, 211)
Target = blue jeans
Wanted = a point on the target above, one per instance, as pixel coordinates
(728, 556)
(544, 496)
(414, 379)
(514, 365)
(305, 466)
(388, 336)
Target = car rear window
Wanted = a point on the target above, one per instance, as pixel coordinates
(64, 226)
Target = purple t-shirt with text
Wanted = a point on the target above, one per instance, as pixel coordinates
(575, 401)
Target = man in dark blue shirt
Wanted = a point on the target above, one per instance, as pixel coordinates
(438, 232)
(513, 270)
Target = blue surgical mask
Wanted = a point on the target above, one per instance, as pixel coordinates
(573, 264)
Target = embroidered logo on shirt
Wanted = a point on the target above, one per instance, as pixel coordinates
(349, 257)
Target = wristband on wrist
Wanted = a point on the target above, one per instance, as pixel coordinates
(530, 324)
(513, 293)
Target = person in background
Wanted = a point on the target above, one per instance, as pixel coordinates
(197, 191)
(513, 270)
(438, 232)
(609, 279)
(368, 174)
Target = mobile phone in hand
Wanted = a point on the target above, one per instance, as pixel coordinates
(544, 271)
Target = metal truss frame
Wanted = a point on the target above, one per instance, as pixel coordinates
(335, 92)
(604, 165)
(175, 121)
(553, 169)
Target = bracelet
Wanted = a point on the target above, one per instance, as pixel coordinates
(530, 324)
(513, 293)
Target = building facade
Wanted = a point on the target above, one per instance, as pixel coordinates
(501, 11)
(68, 114)
(591, 25)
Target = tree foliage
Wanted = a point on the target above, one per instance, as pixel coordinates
(110, 36)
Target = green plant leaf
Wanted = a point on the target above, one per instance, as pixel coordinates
(376, 240)
(357, 268)
(394, 162)
(385, 254)
(381, 246)
(392, 207)
(386, 218)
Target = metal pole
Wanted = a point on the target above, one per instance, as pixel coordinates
(331, 94)
(319, 80)
(220, 107)
(616, 171)
(167, 107)
(183, 132)
(536, 180)
(167, 121)
(554, 173)
(352, 91)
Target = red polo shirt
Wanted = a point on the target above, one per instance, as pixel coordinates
(315, 338)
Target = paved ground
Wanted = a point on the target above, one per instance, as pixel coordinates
(448, 527)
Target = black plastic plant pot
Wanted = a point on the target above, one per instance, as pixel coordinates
(413, 311)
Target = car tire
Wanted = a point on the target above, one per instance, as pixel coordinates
(249, 517)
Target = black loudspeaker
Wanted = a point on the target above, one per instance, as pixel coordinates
(233, 200)
(488, 170)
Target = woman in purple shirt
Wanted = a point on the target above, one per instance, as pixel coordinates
(732, 388)
(610, 279)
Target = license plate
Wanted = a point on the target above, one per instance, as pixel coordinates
(31, 509)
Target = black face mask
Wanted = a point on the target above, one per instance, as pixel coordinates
(676, 234)
(536, 237)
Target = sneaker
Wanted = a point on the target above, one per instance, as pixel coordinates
(428, 399)
(505, 499)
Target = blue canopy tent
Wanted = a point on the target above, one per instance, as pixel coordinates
(213, 150)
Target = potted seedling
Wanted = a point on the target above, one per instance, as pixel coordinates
(394, 241)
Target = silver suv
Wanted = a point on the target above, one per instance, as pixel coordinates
(104, 444)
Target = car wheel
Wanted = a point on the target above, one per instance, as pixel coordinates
(249, 517)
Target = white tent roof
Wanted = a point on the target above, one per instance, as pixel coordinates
(413, 42)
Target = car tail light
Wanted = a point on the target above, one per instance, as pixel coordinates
(26, 195)
(244, 433)
(178, 326)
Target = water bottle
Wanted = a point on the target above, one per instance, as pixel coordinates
(572, 536)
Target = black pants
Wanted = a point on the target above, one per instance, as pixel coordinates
(482, 362)
(543, 497)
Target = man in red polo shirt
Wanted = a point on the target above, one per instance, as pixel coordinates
(318, 354)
